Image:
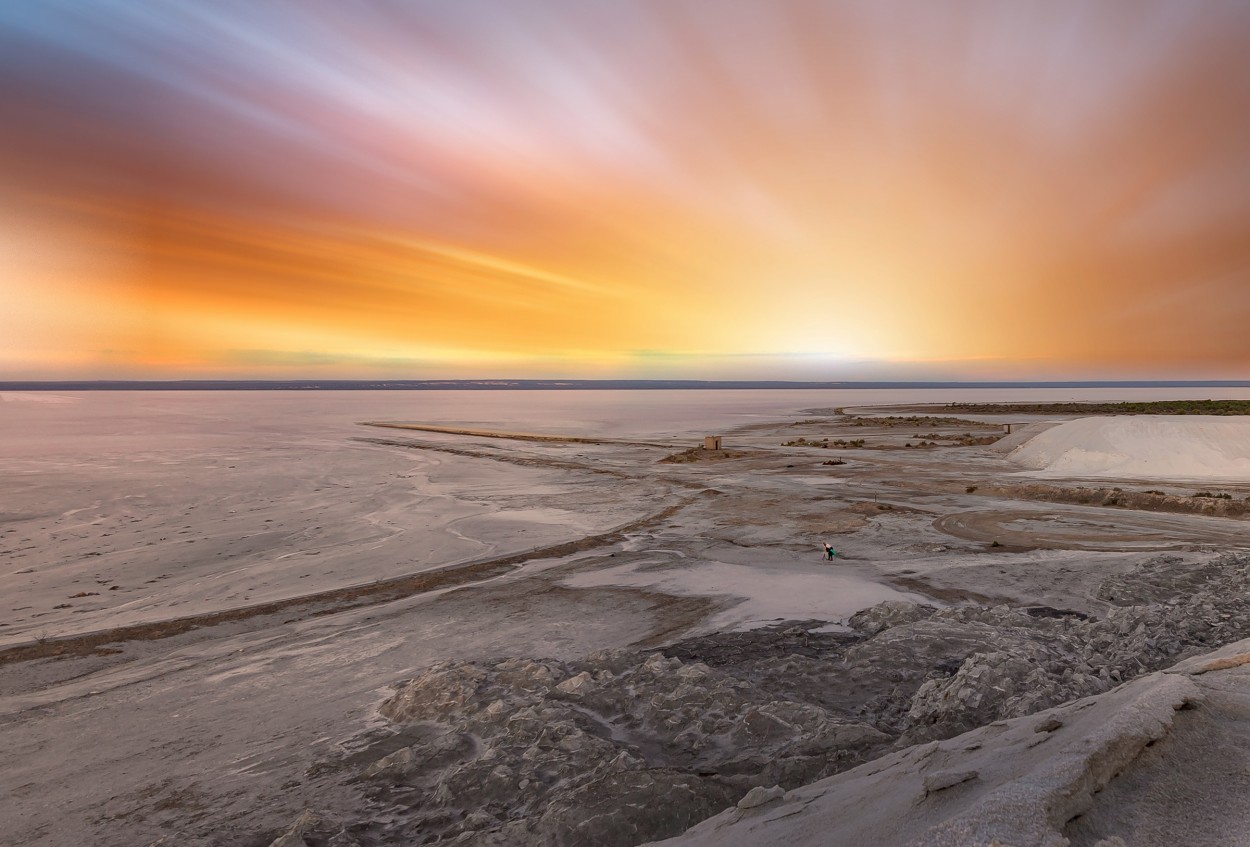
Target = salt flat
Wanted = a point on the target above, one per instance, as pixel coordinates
(353, 558)
(120, 540)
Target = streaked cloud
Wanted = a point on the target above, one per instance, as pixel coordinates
(545, 187)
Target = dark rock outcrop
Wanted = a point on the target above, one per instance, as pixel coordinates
(622, 747)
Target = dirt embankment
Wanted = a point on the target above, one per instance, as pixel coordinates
(1218, 504)
(701, 454)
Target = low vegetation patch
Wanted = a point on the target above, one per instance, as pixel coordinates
(913, 421)
(967, 439)
(699, 454)
(824, 443)
(1202, 503)
(1154, 407)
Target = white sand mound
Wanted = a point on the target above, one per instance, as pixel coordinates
(1025, 433)
(1144, 446)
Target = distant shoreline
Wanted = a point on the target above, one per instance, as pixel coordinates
(567, 385)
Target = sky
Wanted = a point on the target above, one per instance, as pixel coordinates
(778, 189)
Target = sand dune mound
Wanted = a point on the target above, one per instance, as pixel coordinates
(1153, 447)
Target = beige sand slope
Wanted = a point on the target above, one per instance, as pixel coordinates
(1194, 447)
(1158, 761)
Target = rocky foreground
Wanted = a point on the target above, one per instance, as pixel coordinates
(1160, 761)
(622, 748)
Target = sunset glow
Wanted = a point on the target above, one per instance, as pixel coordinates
(670, 188)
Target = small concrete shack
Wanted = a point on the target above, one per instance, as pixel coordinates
(711, 442)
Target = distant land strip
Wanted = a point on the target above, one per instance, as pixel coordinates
(561, 384)
(1149, 407)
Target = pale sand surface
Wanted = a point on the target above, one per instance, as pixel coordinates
(215, 733)
(1182, 447)
(175, 533)
(764, 589)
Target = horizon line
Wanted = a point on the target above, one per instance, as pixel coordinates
(508, 384)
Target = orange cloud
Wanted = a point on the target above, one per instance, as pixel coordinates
(1016, 188)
